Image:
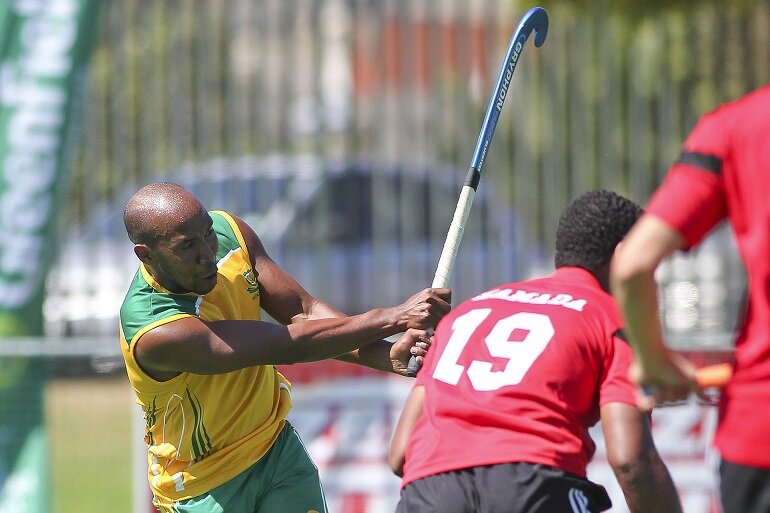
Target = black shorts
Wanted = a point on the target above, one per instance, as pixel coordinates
(744, 489)
(504, 488)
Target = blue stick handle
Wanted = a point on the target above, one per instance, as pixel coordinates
(536, 19)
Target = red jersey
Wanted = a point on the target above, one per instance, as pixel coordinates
(517, 374)
(723, 172)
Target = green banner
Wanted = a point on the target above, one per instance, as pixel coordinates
(44, 49)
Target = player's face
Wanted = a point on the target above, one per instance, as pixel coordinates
(186, 257)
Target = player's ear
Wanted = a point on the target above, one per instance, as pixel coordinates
(142, 252)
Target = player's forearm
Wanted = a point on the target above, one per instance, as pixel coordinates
(189, 345)
(420, 311)
(648, 487)
(632, 280)
(375, 356)
(409, 415)
(342, 337)
(637, 297)
(631, 452)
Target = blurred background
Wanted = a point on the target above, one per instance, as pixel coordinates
(342, 131)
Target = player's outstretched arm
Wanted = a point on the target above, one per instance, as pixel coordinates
(406, 421)
(191, 345)
(632, 279)
(288, 302)
(642, 475)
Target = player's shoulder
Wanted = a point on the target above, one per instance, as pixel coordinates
(760, 96)
(134, 292)
(146, 297)
(144, 305)
(752, 105)
(228, 232)
(223, 221)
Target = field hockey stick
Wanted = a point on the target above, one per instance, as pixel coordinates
(536, 19)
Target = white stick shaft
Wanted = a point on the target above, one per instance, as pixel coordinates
(453, 237)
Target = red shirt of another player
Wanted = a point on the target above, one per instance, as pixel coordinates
(723, 172)
(517, 374)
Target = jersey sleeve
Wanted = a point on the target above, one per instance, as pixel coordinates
(616, 387)
(691, 199)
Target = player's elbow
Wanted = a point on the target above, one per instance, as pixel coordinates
(396, 461)
(646, 484)
(629, 460)
(627, 471)
(634, 469)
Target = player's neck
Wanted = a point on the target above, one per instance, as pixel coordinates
(602, 275)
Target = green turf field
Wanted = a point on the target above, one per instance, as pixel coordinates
(90, 425)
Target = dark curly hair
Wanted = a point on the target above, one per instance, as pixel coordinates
(590, 228)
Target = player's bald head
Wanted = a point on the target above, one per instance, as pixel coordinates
(156, 208)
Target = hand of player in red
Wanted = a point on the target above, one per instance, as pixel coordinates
(668, 380)
(709, 380)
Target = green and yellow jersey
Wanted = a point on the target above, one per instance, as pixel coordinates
(203, 430)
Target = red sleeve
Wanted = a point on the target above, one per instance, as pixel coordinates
(691, 199)
(617, 386)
